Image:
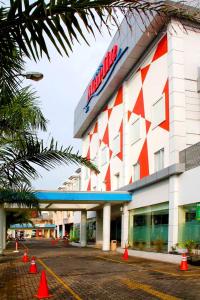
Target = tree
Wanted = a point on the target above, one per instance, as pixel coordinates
(20, 148)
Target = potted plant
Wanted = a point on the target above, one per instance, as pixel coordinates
(159, 244)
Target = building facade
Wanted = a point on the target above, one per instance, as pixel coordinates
(138, 118)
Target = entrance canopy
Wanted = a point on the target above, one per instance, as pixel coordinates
(67, 200)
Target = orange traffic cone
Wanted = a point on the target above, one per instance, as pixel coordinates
(184, 264)
(125, 255)
(33, 267)
(25, 258)
(43, 291)
(53, 242)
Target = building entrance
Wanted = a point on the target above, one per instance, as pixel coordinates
(115, 232)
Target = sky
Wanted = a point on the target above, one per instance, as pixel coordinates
(65, 79)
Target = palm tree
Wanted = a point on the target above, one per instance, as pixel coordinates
(20, 148)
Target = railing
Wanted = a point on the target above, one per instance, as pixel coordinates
(190, 156)
(150, 234)
(189, 231)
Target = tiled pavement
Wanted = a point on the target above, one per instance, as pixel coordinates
(75, 273)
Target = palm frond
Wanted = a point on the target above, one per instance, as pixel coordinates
(19, 162)
(64, 21)
(21, 114)
(13, 197)
(11, 66)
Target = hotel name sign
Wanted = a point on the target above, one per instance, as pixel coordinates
(104, 73)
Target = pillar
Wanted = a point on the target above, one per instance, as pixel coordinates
(173, 212)
(106, 226)
(83, 233)
(58, 231)
(63, 229)
(148, 229)
(125, 220)
(99, 227)
(2, 230)
(48, 233)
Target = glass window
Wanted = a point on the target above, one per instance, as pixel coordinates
(159, 111)
(104, 156)
(116, 144)
(135, 131)
(159, 160)
(136, 172)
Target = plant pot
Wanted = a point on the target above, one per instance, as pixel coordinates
(194, 260)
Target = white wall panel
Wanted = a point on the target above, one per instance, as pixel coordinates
(154, 194)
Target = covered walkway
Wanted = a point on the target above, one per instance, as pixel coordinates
(101, 202)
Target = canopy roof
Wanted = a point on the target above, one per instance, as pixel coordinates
(67, 200)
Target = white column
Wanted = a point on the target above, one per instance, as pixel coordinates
(173, 212)
(63, 229)
(99, 227)
(177, 88)
(106, 226)
(58, 233)
(2, 229)
(125, 219)
(83, 233)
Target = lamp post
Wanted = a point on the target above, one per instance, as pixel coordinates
(36, 76)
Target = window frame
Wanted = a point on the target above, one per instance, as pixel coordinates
(157, 121)
(132, 140)
(117, 151)
(134, 166)
(104, 161)
(160, 163)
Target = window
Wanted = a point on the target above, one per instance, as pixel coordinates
(117, 178)
(135, 131)
(159, 160)
(116, 144)
(136, 172)
(104, 156)
(86, 173)
(159, 111)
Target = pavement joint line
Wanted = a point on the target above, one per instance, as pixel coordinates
(76, 296)
(148, 289)
(116, 261)
(158, 271)
(176, 274)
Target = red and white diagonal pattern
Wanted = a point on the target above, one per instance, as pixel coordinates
(147, 85)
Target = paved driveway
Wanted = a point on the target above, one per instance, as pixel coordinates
(86, 273)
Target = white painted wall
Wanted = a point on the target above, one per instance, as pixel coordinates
(189, 187)
(192, 67)
(154, 194)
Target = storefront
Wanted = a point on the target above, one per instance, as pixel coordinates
(32, 231)
(148, 227)
(189, 223)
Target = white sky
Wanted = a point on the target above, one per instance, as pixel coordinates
(65, 79)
